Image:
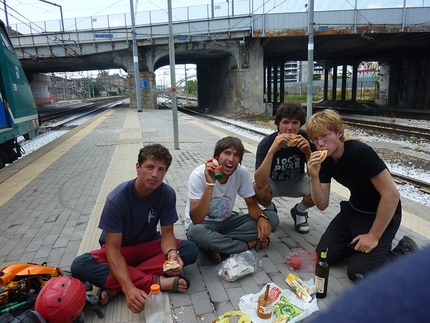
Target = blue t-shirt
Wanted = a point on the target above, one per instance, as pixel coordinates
(137, 218)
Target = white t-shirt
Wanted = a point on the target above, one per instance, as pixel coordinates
(223, 195)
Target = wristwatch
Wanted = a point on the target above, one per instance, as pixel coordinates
(264, 216)
(170, 250)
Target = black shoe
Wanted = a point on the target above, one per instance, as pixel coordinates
(408, 244)
(300, 227)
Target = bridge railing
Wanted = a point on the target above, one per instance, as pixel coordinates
(284, 14)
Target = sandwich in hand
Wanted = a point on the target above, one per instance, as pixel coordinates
(323, 155)
(293, 140)
(170, 264)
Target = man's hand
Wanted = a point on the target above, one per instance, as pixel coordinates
(173, 255)
(314, 164)
(365, 242)
(210, 165)
(264, 228)
(136, 299)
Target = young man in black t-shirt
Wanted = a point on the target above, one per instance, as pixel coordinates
(368, 222)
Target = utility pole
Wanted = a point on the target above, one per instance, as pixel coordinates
(172, 77)
(310, 57)
(186, 86)
(135, 60)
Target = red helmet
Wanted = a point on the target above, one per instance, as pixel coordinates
(61, 299)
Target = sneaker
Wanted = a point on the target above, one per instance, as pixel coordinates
(300, 227)
(408, 244)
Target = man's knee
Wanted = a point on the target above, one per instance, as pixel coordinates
(273, 219)
(86, 268)
(188, 251)
(195, 232)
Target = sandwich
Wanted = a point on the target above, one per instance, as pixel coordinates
(170, 264)
(293, 140)
(323, 155)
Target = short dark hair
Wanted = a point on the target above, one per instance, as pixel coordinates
(229, 142)
(155, 151)
(290, 110)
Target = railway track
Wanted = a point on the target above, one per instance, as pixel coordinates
(54, 117)
(388, 127)
(398, 178)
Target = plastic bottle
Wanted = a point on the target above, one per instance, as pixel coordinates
(321, 274)
(155, 306)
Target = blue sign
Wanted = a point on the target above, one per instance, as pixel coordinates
(182, 37)
(322, 27)
(144, 84)
(103, 35)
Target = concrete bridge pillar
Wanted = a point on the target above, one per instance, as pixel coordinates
(394, 83)
(147, 90)
(412, 80)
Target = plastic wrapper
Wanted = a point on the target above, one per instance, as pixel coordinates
(301, 261)
(286, 306)
(239, 265)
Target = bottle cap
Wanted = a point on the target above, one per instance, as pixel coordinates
(155, 288)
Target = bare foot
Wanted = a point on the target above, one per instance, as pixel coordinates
(166, 283)
(107, 295)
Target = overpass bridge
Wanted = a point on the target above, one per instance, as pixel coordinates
(240, 51)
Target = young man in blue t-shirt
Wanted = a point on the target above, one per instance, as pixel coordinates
(132, 250)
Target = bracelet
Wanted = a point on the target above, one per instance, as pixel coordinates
(210, 184)
(264, 216)
(170, 250)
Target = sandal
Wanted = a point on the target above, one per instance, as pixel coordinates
(258, 245)
(303, 227)
(215, 256)
(176, 284)
(99, 295)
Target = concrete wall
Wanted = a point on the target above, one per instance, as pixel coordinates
(236, 81)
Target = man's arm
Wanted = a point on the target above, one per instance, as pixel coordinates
(169, 244)
(135, 297)
(261, 175)
(387, 207)
(320, 192)
(199, 208)
(263, 226)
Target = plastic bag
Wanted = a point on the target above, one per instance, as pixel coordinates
(301, 261)
(287, 307)
(239, 265)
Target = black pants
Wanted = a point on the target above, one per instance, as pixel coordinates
(350, 223)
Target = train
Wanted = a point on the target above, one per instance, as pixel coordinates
(18, 109)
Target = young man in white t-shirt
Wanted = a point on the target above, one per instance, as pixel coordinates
(209, 217)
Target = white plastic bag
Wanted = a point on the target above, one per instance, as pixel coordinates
(239, 265)
(283, 300)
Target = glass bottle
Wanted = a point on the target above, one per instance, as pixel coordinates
(264, 308)
(155, 306)
(321, 274)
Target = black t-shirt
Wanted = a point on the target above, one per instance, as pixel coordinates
(287, 163)
(356, 167)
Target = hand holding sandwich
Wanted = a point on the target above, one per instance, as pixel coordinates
(173, 264)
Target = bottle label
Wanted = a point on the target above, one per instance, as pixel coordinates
(319, 284)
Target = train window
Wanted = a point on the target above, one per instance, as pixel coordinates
(6, 43)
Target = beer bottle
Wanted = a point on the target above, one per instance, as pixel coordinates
(321, 274)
